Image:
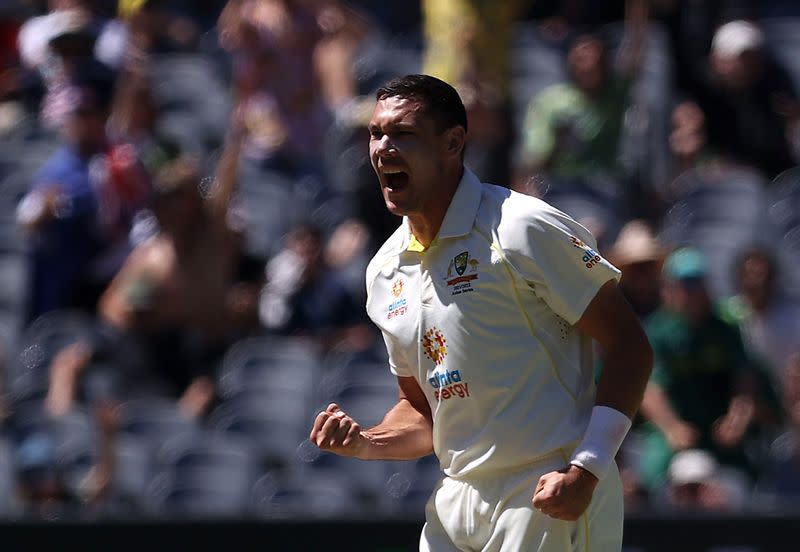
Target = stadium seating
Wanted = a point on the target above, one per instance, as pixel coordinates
(154, 420)
(273, 366)
(72, 441)
(784, 226)
(310, 496)
(28, 366)
(203, 476)
(719, 210)
(268, 208)
(275, 426)
(365, 369)
(368, 479)
(133, 460)
(783, 41)
(193, 99)
(9, 506)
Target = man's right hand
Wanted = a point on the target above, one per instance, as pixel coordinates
(335, 431)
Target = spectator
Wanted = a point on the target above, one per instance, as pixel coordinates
(749, 100)
(80, 205)
(695, 156)
(573, 129)
(304, 295)
(176, 301)
(769, 322)
(690, 28)
(134, 120)
(688, 140)
(106, 36)
(344, 32)
(58, 46)
(703, 392)
(779, 484)
(697, 483)
(639, 255)
(272, 43)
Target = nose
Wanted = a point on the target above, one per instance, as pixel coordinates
(385, 148)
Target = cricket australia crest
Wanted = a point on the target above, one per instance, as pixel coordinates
(466, 270)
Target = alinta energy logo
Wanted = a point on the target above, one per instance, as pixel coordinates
(435, 345)
(590, 256)
(399, 306)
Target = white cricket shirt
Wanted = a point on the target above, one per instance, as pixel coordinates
(484, 320)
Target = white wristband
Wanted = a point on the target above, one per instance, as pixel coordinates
(604, 435)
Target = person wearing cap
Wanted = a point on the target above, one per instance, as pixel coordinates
(697, 481)
(59, 47)
(749, 100)
(702, 391)
(639, 255)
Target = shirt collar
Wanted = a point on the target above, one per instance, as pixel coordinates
(460, 215)
(463, 208)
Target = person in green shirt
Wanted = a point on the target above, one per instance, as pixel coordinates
(573, 129)
(704, 391)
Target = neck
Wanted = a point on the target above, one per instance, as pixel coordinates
(425, 225)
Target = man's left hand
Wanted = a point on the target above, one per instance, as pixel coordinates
(564, 494)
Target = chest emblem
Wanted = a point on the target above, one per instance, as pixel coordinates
(399, 306)
(397, 287)
(435, 345)
(461, 272)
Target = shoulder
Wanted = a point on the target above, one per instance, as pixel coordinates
(521, 221)
(550, 102)
(555, 94)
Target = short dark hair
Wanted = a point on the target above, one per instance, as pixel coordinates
(439, 100)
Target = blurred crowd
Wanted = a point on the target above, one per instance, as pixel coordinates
(187, 209)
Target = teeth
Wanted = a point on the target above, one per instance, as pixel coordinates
(388, 170)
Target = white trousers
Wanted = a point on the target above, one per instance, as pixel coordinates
(495, 514)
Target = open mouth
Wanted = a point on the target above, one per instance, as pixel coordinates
(396, 179)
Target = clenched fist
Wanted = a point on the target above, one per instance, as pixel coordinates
(336, 432)
(564, 494)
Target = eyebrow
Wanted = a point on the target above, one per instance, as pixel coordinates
(392, 126)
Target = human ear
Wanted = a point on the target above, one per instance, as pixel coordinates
(456, 138)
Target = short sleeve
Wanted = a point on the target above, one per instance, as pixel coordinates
(398, 364)
(560, 262)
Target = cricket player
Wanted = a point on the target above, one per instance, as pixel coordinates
(488, 301)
